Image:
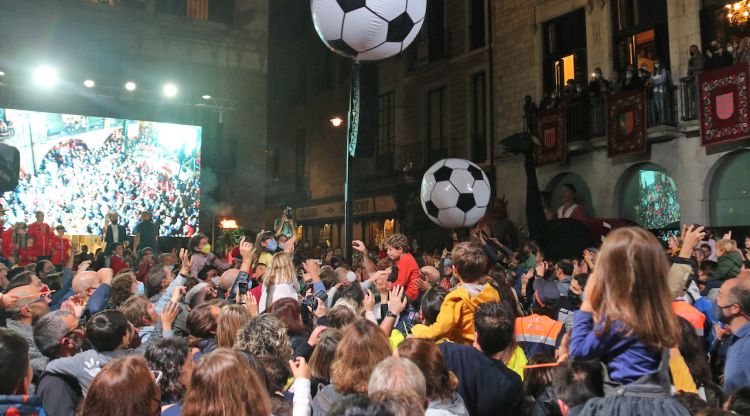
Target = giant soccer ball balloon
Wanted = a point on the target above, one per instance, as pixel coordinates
(455, 193)
(368, 30)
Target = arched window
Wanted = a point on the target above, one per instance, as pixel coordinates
(648, 196)
(582, 190)
(729, 195)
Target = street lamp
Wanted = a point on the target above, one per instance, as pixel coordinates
(337, 121)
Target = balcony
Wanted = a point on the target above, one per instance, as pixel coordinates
(403, 163)
(586, 122)
(210, 10)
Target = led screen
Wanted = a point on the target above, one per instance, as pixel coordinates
(76, 169)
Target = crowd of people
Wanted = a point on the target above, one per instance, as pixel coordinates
(120, 176)
(476, 327)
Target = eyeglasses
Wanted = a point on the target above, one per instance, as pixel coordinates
(43, 295)
(69, 333)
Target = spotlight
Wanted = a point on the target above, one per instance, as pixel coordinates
(89, 83)
(2, 74)
(206, 97)
(169, 90)
(336, 121)
(130, 86)
(46, 77)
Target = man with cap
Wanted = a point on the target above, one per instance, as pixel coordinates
(541, 332)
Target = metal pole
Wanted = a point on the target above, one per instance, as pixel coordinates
(351, 148)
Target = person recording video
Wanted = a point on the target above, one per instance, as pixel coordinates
(285, 225)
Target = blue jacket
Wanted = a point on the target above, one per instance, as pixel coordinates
(21, 406)
(626, 357)
(737, 367)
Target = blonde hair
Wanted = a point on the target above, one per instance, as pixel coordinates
(630, 286)
(727, 245)
(280, 271)
(232, 318)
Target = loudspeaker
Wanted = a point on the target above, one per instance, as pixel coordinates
(10, 164)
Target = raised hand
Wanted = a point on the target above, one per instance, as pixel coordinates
(169, 314)
(691, 237)
(186, 262)
(369, 302)
(359, 246)
(320, 310)
(251, 304)
(397, 302)
(300, 369)
(84, 266)
(177, 293)
(314, 338)
(246, 249)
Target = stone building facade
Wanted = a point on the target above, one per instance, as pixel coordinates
(707, 191)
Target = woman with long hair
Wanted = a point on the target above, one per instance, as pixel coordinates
(266, 246)
(363, 346)
(322, 358)
(289, 312)
(223, 384)
(626, 320)
(124, 387)
(280, 281)
(232, 318)
(202, 324)
(440, 381)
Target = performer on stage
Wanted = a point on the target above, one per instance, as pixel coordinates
(569, 208)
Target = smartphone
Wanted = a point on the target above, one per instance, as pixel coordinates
(243, 288)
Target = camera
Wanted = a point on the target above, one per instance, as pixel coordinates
(288, 212)
(311, 301)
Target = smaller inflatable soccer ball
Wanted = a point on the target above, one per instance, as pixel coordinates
(455, 193)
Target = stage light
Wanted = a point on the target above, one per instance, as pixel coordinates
(337, 121)
(130, 86)
(46, 77)
(169, 90)
(2, 74)
(89, 83)
(206, 97)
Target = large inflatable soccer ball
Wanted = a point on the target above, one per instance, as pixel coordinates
(368, 30)
(455, 193)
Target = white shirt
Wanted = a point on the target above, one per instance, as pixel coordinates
(278, 291)
(566, 213)
(115, 232)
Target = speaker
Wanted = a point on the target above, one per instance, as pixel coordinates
(10, 164)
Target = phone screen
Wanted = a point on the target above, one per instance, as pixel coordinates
(243, 288)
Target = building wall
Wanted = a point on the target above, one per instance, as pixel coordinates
(109, 43)
(518, 71)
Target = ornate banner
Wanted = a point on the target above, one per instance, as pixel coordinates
(626, 123)
(723, 99)
(550, 130)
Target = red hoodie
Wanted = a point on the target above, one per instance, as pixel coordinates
(408, 273)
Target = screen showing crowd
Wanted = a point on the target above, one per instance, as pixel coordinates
(76, 169)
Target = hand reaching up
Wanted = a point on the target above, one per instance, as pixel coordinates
(397, 301)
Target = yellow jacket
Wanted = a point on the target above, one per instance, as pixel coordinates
(456, 318)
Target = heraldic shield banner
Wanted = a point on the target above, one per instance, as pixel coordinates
(550, 130)
(723, 96)
(626, 123)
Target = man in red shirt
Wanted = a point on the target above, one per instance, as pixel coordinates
(60, 248)
(117, 262)
(397, 247)
(42, 234)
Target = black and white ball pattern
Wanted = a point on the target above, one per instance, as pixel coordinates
(368, 30)
(455, 193)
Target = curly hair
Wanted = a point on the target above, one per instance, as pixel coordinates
(121, 286)
(397, 241)
(264, 335)
(168, 356)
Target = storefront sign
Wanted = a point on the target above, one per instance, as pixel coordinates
(364, 206)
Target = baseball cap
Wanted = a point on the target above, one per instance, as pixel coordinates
(546, 292)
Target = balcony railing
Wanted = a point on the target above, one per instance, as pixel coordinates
(689, 98)
(195, 9)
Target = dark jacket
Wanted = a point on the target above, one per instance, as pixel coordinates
(21, 406)
(122, 235)
(487, 386)
(728, 266)
(60, 394)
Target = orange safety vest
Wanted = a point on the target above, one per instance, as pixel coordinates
(686, 311)
(539, 329)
